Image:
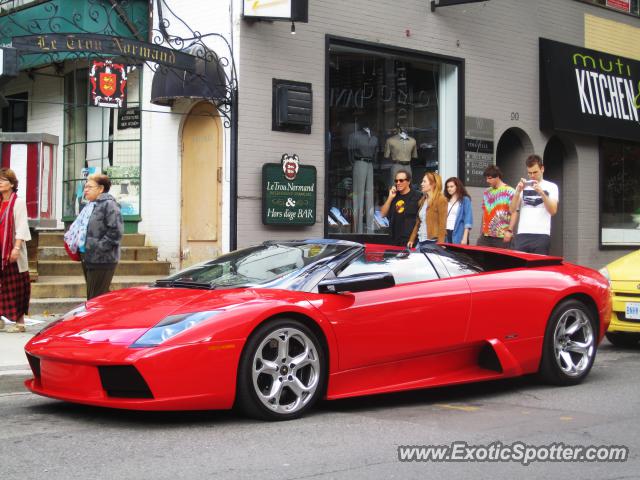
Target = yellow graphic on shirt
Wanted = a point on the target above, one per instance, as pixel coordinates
(400, 206)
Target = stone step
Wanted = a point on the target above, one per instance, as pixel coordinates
(125, 267)
(55, 239)
(126, 253)
(49, 306)
(69, 287)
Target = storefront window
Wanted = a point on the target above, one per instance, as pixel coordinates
(620, 194)
(97, 139)
(387, 110)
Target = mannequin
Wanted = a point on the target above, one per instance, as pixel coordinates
(363, 148)
(401, 148)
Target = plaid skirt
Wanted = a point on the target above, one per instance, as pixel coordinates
(15, 292)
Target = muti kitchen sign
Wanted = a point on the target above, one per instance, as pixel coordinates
(587, 91)
(288, 192)
(104, 45)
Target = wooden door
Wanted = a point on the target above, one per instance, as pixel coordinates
(201, 186)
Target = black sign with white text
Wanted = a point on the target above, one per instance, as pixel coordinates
(128, 118)
(587, 91)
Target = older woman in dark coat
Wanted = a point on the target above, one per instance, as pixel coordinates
(96, 234)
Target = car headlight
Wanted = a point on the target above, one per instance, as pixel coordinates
(171, 326)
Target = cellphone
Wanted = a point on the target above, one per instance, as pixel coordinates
(529, 183)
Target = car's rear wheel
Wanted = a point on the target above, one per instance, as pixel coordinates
(282, 371)
(623, 339)
(570, 341)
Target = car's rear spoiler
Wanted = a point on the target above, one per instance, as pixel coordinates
(507, 258)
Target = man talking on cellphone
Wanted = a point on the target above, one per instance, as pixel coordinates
(401, 207)
(537, 201)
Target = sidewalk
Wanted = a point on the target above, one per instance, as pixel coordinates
(12, 358)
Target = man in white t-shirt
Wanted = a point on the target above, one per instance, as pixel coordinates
(537, 201)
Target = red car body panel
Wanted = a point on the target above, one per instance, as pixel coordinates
(409, 336)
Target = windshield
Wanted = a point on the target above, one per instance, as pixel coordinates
(267, 265)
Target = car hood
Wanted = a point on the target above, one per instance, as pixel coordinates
(625, 268)
(124, 315)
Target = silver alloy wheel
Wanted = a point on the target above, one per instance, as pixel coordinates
(286, 370)
(574, 342)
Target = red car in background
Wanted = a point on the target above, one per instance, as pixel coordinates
(273, 328)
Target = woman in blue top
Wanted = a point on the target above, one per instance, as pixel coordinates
(459, 214)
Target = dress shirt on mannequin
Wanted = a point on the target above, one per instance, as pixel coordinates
(401, 148)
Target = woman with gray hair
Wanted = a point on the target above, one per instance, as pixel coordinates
(96, 234)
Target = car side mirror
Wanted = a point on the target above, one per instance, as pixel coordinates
(360, 282)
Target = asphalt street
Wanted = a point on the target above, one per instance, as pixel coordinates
(351, 439)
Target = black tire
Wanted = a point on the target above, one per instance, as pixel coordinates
(561, 363)
(623, 339)
(273, 388)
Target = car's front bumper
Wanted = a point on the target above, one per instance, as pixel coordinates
(184, 377)
(624, 292)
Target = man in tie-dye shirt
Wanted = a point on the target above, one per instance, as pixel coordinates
(497, 220)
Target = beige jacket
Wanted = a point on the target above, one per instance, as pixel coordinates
(21, 222)
(436, 219)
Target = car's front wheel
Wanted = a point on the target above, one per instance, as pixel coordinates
(623, 339)
(282, 371)
(569, 344)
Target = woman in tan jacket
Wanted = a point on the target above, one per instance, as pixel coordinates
(432, 212)
(15, 289)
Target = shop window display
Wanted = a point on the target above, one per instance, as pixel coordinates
(95, 141)
(384, 115)
(620, 192)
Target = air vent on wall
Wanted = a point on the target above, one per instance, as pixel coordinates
(292, 106)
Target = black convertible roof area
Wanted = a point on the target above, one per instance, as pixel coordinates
(500, 259)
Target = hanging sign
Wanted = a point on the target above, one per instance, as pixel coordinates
(624, 5)
(288, 192)
(587, 91)
(108, 83)
(289, 10)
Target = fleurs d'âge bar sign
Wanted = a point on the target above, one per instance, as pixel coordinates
(587, 91)
(288, 192)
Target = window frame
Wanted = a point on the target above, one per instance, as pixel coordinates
(628, 247)
(22, 99)
(611, 9)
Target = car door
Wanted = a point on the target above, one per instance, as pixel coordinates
(420, 315)
(511, 305)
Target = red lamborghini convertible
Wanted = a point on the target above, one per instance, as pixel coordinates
(273, 328)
